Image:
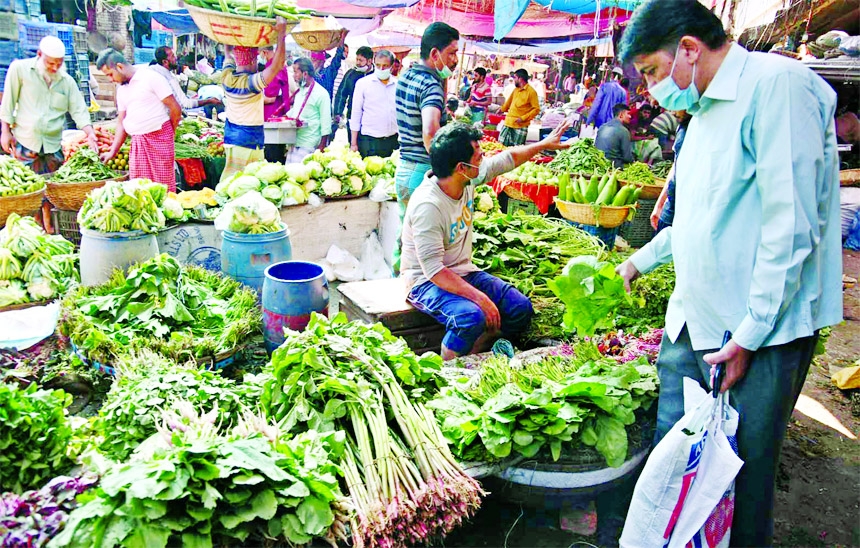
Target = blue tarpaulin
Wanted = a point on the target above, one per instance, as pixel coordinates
(535, 47)
(508, 12)
(178, 21)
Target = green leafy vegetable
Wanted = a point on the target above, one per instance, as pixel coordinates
(82, 167)
(581, 157)
(123, 206)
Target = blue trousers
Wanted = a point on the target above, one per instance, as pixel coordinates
(764, 398)
(463, 319)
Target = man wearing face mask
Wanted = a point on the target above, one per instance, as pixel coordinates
(755, 237)
(311, 105)
(475, 307)
(166, 65)
(420, 101)
(344, 98)
(38, 95)
(373, 121)
(522, 107)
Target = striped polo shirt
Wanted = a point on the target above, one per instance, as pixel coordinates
(418, 89)
(243, 96)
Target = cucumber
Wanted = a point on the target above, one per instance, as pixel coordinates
(622, 196)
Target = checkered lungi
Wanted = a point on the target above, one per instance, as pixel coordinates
(236, 158)
(153, 155)
(40, 162)
(513, 136)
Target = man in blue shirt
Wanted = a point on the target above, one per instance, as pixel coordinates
(756, 234)
(610, 94)
(613, 138)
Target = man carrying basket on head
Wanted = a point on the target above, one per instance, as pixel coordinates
(243, 102)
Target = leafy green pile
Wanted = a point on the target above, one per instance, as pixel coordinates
(402, 479)
(148, 383)
(650, 294)
(203, 488)
(591, 292)
(123, 206)
(555, 403)
(34, 266)
(185, 313)
(83, 166)
(638, 173)
(581, 157)
(34, 433)
(528, 250)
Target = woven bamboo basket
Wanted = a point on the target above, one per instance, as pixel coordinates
(849, 177)
(71, 196)
(22, 204)
(609, 217)
(516, 194)
(22, 306)
(236, 30)
(318, 40)
(649, 192)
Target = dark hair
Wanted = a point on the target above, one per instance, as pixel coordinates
(522, 73)
(438, 35)
(451, 145)
(387, 54)
(660, 24)
(625, 82)
(618, 109)
(305, 65)
(482, 71)
(365, 52)
(110, 58)
(161, 54)
(452, 103)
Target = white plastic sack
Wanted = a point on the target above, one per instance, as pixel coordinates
(344, 265)
(686, 486)
(383, 190)
(373, 259)
(21, 329)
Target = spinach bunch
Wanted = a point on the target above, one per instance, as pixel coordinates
(34, 433)
(557, 402)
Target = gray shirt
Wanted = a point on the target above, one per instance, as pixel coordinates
(614, 140)
(437, 229)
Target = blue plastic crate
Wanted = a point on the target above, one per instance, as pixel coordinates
(6, 5)
(605, 235)
(3, 78)
(142, 56)
(30, 33)
(80, 35)
(67, 35)
(9, 26)
(29, 8)
(8, 52)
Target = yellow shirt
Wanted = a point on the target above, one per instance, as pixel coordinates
(35, 111)
(523, 103)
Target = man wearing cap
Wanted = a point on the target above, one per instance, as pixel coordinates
(39, 93)
(522, 107)
(244, 102)
(611, 93)
(326, 75)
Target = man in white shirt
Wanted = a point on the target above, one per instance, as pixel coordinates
(374, 117)
(146, 110)
(165, 65)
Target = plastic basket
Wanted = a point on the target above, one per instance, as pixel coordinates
(80, 35)
(8, 52)
(236, 30)
(3, 72)
(6, 5)
(495, 119)
(9, 26)
(65, 222)
(67, 35)
(638, 232)
(605, 235)
(84, 86)
(529, 208)
(29, 8)
(30, 33)
(142, 56)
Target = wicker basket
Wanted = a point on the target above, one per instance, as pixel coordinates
(516, 194)
(610, 216)
(236, 30)
(318, 40)
(22, 204)
(71, 196)
(22, 306)
(649, 192)
(849, 177)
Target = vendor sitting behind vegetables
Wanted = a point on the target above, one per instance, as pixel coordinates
(475, 307)
(243, 102)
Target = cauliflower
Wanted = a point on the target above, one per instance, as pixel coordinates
(40, 289)
(338, 168)
(332, 186)
(299, 173)
(357, 164)
(10, 266)
(315, 169)
(485, 203)
(311, 185)
(172, 209)
(356, 184)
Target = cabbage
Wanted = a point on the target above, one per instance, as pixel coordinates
(311, 185)
(298, 172)
(332, 186)
(338, 168)
(10, 266)
(224, 185)
(374, 164)
(242, 185)
(270, 173)
(253, 167)
(315, 169)
(21, 235)
(274, 194)
(12, 292)
(294, 194)
(356, 184)
(173, 209)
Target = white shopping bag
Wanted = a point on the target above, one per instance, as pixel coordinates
(587, 131)
(686, 489)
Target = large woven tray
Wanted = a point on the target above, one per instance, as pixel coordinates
(71, 196)
(22, 204)
(318, 40)
(236, 30)
(609, 216)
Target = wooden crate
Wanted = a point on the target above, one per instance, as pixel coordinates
(384, 301)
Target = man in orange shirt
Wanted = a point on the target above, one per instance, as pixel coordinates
(521, 107)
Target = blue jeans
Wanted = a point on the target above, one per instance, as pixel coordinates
(463, 319)
(407, 177)
(764, 398)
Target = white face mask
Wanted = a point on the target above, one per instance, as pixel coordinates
(383, 74)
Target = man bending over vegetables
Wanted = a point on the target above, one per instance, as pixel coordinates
(475, 307)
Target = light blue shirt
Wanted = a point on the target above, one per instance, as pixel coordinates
(756, 237)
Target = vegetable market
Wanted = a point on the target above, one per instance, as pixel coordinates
(302, 273)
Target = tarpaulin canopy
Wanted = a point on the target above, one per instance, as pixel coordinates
(532, 48)
(177, 21)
